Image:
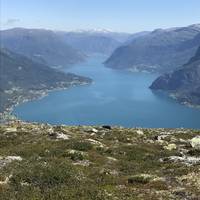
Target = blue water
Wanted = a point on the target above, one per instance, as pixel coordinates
(115, 98)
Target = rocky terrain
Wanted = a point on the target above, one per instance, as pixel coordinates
(40, 161)
(162, 50)
(183, 83)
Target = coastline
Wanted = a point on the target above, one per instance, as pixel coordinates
(185, 103)
(8, 115)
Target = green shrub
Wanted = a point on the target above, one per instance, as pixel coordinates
(76, 156)
(46, 174)
(141, 179)
(81, 146)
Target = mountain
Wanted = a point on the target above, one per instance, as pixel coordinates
(94, 41)
(135, 36)
(22, 79)
(40, 45)
(119, 36)
(183, 83)
(162, 50)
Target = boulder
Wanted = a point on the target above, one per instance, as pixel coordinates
(187, 160)
(62, 136)
(107, 127)
(140, 132)
(195, 142)
(170, 147)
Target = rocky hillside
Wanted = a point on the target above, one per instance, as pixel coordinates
(23, 79)
(162, 50)
(183, 83)
(39, 161)
(40, 45)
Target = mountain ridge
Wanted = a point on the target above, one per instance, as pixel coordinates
(22, 79)
(161, 51)
(41, 45)
(183, 83)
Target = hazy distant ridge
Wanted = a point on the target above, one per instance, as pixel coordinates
(162, 50)
(43, 46)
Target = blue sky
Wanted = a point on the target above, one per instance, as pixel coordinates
(116, 15)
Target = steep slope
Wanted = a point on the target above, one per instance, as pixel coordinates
(22, 79)
(93, 42)
(162, 50)
(41, 45)
(183, 83)
(135, 36)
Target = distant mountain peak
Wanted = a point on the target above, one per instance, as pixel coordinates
(195, 25)
(96, 30)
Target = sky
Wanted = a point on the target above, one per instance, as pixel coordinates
(116, 15)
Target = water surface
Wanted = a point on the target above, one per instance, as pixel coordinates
(115, 98)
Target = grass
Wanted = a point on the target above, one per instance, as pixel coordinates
(52, 169)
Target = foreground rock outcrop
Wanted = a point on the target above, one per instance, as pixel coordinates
(40, 161)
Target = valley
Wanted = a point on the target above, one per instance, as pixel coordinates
(130, 73)
(99, 100)
(114, 97)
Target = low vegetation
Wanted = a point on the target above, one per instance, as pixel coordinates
(43, 162)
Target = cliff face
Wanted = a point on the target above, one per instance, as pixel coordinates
(162, 50)
(39, 161)
(184, 83)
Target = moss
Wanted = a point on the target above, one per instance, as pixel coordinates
(76, 156)
(158, 185)
(49, 169)
(141, 179)
(81, 146)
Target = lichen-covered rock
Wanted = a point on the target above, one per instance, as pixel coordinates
(8, 159)
(140, 132)
(62, 136)
(11, 129)
(195, 142)
(170, 147)
(6, 181)
(188, 160)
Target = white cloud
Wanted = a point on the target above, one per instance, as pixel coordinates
(11, 22)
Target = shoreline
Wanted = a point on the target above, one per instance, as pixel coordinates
(176, 98)
(184, 103)
(8, 115)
